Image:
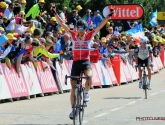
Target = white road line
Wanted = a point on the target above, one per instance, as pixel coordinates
(162, 91)
(85, 122)
(140, 99)
(155, 93)
(117, 109)
(100, 115)
(130, 103)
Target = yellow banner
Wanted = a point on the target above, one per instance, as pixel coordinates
(161, 16)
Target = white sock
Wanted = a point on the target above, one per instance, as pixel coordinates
(149, 82)
(86, 91)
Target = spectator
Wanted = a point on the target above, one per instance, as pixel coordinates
(63, 14)
(155, 48)
(67, 54)
(103, 47)
(3, 6)
(79, 8)
(36, 11)
(63, 41)
(23, 5)
(6, 22)
(97, 18)
(73, 18)
(56, 33)
(2, 22)
(51, 26)
(10, 16)
(88, 18)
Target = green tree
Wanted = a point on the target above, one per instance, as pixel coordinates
(149, 6)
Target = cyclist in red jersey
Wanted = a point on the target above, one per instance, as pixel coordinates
(81, 45)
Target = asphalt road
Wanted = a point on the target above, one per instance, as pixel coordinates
(120, 105)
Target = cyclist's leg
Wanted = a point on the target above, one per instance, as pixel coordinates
(73, 82)
(140, 63)
(87, 72)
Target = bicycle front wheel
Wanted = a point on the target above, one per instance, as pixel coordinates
(82, 106)
(76, 107)
(145, 85)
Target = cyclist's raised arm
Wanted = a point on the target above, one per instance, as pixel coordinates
(103, 22)
(61, 22)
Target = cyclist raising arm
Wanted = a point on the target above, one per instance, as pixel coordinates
(81, 45)
(143, 55)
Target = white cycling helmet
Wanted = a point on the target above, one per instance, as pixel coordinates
(144, 40)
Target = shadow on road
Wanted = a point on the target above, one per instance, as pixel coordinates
(123, 98)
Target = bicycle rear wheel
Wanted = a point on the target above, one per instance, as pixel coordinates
(82, 106)
(76, 107)
(145, 85)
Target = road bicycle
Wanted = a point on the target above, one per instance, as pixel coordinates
(79, 103)
(144, 80)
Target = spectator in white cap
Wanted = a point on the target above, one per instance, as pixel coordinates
(10, 16)
(88, 18)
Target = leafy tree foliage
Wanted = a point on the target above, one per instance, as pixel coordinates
(148, 5)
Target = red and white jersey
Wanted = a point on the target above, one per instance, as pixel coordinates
(81, 49)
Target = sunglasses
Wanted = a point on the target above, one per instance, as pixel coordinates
(143, 43)
(80, 28)
(42, 3)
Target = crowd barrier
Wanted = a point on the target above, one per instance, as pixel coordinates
(33, 81)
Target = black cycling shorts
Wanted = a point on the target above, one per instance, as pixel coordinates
(80, 66)
(145, 62)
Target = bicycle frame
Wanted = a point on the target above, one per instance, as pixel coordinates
(144, 81)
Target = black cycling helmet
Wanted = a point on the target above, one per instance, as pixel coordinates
(82, 22)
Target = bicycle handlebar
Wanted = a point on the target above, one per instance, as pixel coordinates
(76, 78)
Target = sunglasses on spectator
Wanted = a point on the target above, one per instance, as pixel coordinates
(11, 7)
(80, 28)
(42, 3)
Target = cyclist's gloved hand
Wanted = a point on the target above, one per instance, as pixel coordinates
(111, 12)
(54, 11)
